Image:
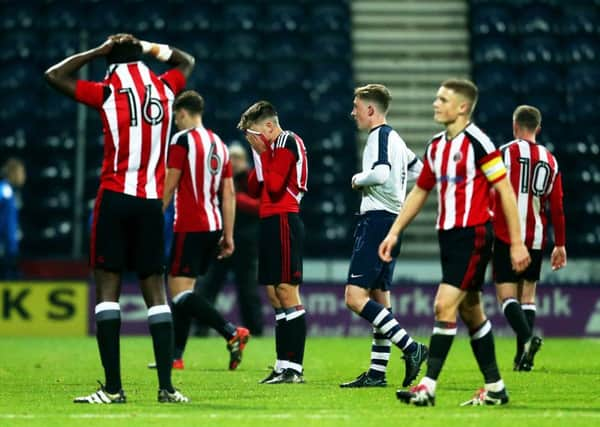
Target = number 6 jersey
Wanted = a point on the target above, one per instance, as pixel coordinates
(135, 106)
(535, 178)
(203, 160)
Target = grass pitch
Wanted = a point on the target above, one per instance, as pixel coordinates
(40, 376)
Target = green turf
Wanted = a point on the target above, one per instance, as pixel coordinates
(40, 376)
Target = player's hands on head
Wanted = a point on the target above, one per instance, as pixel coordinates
(226, 247)
(105, 48)
(519, 256)
(386, 246)
(558, 259)
(256, 142)
(123, 38)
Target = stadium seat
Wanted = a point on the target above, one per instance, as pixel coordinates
(492, 49)
(583, 78)
(542, 78)
(60, 44)
(63, 17)
(540, 49)
(235, 76)
(330, 46)
(537, 19)
(280, 75)
(330, 16)
(18, 45)
(580, 20)
(495, 106)
(584, 108)
(16, 74)
(325, 77)
(240, 46)
(285, 17)
(21, 17)
(188, 19)
(240, 16)
(582, 50)
(491, 19)
(293, 47)
(495, 77)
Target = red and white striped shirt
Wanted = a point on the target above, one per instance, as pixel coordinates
(535, 178)
(135, 107)
(203, 159)
(285, 172)
(463, 168)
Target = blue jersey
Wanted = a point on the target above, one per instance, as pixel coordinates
(9, 221)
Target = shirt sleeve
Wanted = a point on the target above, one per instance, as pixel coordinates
(376, 176)
(178, 151)
(90, 93)
(382, 147)
(227, 170)
(276, 169)
(174, 79)
(426, 179)
(254, 185)
(414, 167)
(557, 212)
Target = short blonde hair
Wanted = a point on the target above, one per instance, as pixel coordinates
(376, 93)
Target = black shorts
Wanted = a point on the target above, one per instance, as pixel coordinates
(281, 242)
(127, 234)
(503, 271)
(366, 269)
(465, 254)
(192, 252)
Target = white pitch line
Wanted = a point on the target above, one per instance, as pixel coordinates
(464, 413)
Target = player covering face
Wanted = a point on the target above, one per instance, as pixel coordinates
(280, 180)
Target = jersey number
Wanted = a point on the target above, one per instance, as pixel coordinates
(540, 178)
(214, 161)
(152, 110)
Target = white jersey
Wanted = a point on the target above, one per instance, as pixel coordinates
(385, 147)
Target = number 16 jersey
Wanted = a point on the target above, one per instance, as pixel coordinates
(135, 106)
(536, 180)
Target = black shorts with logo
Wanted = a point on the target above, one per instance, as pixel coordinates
(281, 242)
(192, 252)
(465, 254)
(127, 234)
(503, 271)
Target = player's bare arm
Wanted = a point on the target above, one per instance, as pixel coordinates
(60, 76)
(183, 61)
(171, 182)
(518, 251)
(226, 243)
(412, 206)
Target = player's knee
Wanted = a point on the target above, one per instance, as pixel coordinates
(354, 302)
(444, 310)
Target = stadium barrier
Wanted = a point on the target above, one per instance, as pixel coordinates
(44, 308)
(562, 310)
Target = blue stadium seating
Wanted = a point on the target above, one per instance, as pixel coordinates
(557, 69)
(496, 49)
(294, 53)
(536, 19)
(492, 19)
